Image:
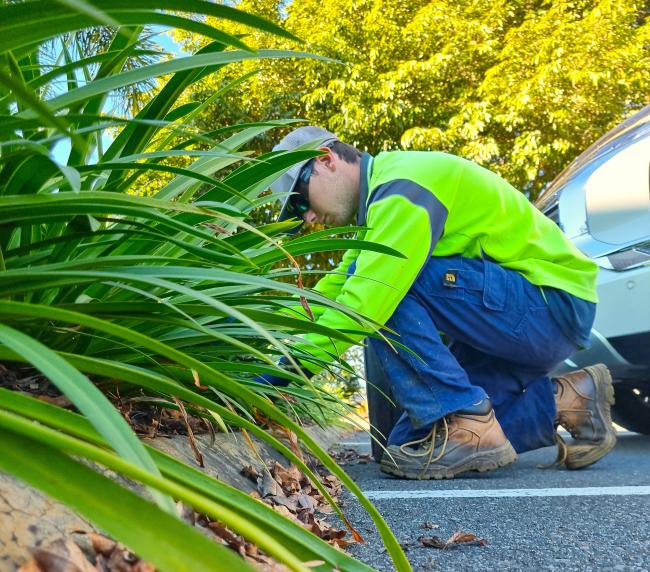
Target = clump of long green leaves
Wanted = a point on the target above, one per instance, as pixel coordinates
(172, 294)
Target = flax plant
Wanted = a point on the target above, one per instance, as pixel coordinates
(175, 295)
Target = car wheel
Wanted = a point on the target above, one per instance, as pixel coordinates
(632, 408)
(382, 410)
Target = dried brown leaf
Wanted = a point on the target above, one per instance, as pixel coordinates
(357, 537)
(190, 433)
(306, 501)
(31, 566)
(142, 566)
(466, 538)
(288, 398)
(101, 544)
(197, 380)
(290, 436)
(268, 486)
(349, 456)
(288, 474)
(100, 564)
(283, 510)
(121, 560)
(318, 528)
(217, 228)
(306, 517)
(251, 473)
(432, 542)
(343, 543)
(305, 305)
(333, 533)
(290, 502)
(230, 538)
(62, 556)
(290, 478)
(456, 539)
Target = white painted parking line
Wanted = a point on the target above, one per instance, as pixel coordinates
(509, 493)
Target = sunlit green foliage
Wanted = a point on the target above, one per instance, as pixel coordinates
(170, 296)
(521, 86)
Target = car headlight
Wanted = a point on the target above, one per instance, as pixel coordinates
(629, 258)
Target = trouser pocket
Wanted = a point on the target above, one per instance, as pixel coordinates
(474, 280)
(473, 296)
(496, 286)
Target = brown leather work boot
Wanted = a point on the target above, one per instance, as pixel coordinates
(456, 444)
(583, 400)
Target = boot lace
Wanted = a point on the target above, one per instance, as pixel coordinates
(562, 453)
(426, 446)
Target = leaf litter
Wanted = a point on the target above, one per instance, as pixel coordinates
(66, 556)
(286, 489)
(350, 456)
(289, 492)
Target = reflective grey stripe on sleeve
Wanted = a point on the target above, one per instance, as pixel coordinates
(418, 196)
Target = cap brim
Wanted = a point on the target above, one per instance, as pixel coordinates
(287, 213)
(286, 184)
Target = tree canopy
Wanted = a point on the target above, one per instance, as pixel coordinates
(520, 86)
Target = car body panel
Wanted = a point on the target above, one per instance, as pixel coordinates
(618, 208)
(624, 306)
(602, 203)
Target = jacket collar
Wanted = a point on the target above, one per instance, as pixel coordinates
(365, 173)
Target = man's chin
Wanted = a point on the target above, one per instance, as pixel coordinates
(340, 221)
(334, 221)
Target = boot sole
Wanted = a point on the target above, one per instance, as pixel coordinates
(580, 456)
(478, 462)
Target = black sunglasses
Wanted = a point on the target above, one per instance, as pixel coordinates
(300, 199)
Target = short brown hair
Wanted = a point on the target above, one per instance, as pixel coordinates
(346, 152)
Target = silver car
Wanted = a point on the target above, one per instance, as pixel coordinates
(602, 202)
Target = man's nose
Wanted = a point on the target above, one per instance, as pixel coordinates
(309, 217)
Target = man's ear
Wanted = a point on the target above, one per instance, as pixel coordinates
(326, 160)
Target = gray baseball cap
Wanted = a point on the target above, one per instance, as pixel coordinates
(308, 137)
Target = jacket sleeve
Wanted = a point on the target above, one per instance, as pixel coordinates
(403, 216)
(330, 285)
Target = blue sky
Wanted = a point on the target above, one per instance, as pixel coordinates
(162, 39)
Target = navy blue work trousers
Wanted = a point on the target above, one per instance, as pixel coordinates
(500, 341)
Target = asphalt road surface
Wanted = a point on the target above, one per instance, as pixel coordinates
(532, 519)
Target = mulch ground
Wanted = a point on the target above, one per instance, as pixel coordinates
(285, 489)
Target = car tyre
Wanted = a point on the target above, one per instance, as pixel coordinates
(632, 408)
(383, 412)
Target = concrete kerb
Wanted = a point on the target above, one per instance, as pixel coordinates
(30, 519)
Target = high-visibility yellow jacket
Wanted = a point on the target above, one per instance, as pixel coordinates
(426, 204)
